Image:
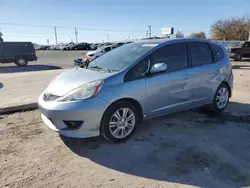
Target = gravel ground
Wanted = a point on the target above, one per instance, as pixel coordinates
(184, 149)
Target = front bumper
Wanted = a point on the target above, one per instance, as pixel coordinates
(89, 111)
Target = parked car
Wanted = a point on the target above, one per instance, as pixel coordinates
(45, 47)
(66, 46)
(97, 53)
(135, 82)
(19, 53)
(118, 44)
(239, 50)
(94, 46)
(80, 46)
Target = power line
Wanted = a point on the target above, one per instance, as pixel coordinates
(62, 27)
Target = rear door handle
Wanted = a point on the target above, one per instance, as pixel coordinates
(185, 77)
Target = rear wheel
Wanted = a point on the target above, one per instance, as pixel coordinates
(221, 98)
(21, 61)
(119, 122)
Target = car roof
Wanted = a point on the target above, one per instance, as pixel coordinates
(163, 41)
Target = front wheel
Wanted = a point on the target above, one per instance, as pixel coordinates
(21, 61)
(221, 98)
(119, 122)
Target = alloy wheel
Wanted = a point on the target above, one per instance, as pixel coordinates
(122, 123)
(222, 97)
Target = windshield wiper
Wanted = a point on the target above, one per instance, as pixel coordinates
(100, 68)
(96, 67)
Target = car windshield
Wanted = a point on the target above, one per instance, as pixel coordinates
(235, 44)
(121, 57)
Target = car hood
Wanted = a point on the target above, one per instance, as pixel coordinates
(91, 52)
(74, 78)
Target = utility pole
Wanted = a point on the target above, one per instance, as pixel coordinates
(108, 38)
(76, 33)
(48, 42)
(55, 34)
(149, 29)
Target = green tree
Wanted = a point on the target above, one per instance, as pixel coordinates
(198, 35)
(179, 34)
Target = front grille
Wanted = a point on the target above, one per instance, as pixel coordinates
(49, 97)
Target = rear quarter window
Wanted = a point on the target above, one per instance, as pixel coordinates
(19, 47)
(217, 51)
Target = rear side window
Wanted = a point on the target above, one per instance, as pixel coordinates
(218, 53)
(174, 55)
(200, 53)
(247, 44)
(21, 47)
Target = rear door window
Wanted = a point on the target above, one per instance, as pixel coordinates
(200, 53)
(218, 53)
(174, 55)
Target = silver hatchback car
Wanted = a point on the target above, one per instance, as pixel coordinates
(134, 82)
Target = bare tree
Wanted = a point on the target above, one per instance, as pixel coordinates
(231, 29)
(179, 34)
(198, 35)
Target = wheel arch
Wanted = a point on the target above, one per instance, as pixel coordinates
(230, 92)
(134, 102)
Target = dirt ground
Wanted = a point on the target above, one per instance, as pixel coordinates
(185, 149)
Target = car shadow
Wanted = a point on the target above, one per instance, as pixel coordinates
(28, 68)
(180, 148)
(1, 85)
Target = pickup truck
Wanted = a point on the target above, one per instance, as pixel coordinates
(239, 51)
(17, 52)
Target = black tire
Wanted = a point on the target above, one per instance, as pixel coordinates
(105, 129)
(21, 61)
(214, 106)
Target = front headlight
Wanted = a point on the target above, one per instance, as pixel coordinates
(85, 91)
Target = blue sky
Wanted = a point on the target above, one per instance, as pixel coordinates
(132, 16)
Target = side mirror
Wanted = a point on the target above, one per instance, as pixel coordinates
(158, 67)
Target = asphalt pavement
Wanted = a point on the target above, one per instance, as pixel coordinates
(47, 60)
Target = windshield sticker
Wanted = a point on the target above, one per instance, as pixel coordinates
(153, 45)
